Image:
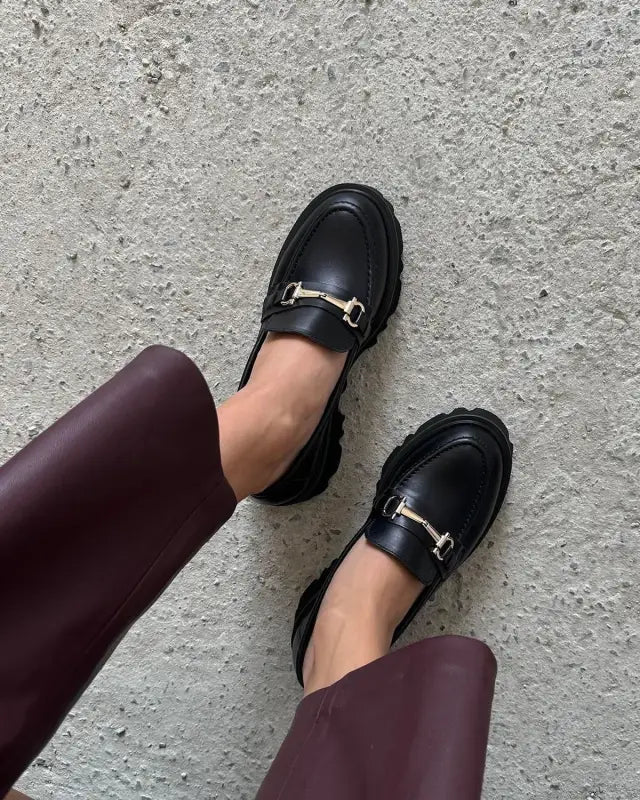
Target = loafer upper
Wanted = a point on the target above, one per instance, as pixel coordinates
(340, 249)
(451, 480)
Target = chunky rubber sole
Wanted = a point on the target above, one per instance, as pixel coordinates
(320, 466)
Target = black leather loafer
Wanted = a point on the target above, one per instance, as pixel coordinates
(437, 497)
(337, 282)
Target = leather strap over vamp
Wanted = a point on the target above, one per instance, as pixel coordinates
(403, 533)
(323, 312)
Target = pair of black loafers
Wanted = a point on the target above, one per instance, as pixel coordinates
(337, 281)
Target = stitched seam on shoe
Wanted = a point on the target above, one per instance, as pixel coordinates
(479, 492)
(317, 225)
(430, 458)
(370, 251)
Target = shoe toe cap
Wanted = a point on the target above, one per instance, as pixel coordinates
(457, 482)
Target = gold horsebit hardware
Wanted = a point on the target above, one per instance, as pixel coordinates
(294, 291)
(444, 543)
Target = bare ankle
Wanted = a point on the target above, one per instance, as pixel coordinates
(367, 598)
(341, 643)
(301, 373)
(266, 424)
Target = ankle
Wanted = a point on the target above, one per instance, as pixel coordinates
(366, 600)
(283, 419)
(258, 438)
(301, 373)
(340, 644)
(266, 424)
(379, 589)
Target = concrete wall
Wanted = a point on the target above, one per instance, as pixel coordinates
(153, 155)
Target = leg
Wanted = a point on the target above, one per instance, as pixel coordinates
(363, 606)
(269, 420)
(408, 726)
(103, 509)
(98, 515)
(413, 723)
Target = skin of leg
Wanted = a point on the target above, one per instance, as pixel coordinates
(262, 428)
(366, 600)
(14, 794)
(266, 423)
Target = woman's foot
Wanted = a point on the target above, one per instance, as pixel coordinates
(365, 602)
(436, 499)
(336, 282)
(266, 424)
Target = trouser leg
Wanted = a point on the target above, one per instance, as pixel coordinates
(97, 516)
(413, 725)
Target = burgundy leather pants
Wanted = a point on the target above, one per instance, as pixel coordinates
(98, 515)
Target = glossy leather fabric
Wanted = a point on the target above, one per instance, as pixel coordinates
(453, 472)
(413, 725)
(97, 515)
(452, 477)
(338, 245)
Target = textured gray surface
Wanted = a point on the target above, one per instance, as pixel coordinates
(153, 155)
